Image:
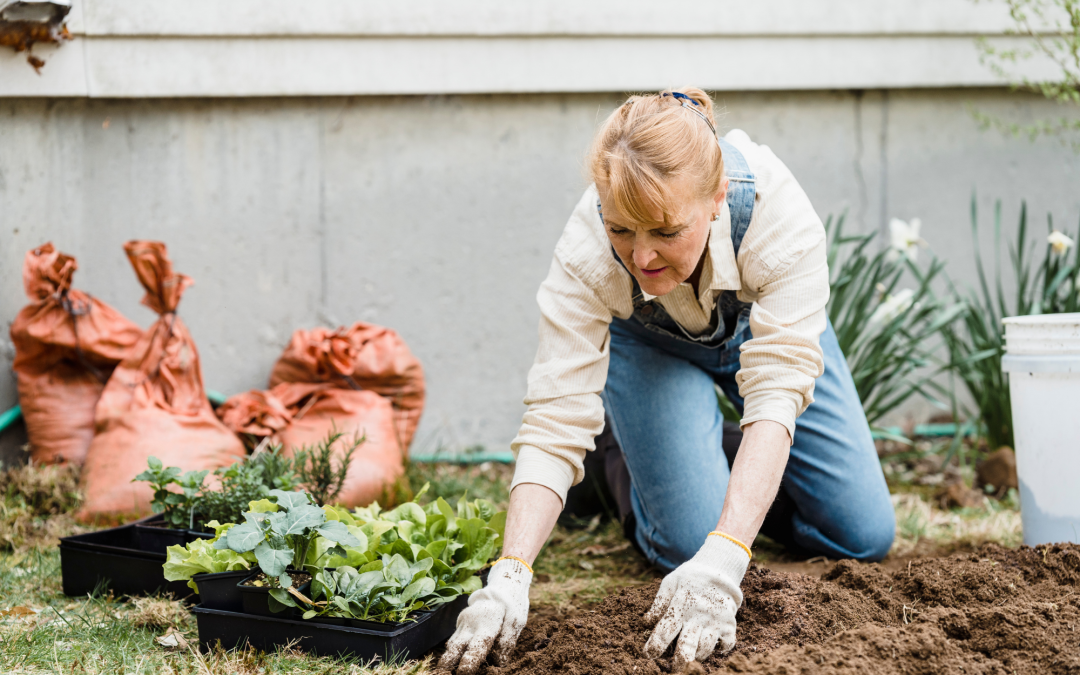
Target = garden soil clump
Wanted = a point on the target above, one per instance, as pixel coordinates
(997, 611)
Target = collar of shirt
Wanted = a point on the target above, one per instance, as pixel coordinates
(721, 270)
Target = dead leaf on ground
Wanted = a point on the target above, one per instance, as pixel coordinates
(601, 550)
(172, 639)
(959, 495)
(18, 611)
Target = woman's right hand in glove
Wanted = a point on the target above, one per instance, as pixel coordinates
(494, 618)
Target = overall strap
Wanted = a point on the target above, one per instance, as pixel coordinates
(741, 191)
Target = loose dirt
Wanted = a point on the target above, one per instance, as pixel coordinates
(996, 611)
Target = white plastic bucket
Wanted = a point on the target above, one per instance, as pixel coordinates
(1043, 362)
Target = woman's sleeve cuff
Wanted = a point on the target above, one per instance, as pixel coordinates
(777, 406)
(543, 468)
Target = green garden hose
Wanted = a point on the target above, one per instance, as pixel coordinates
(8, 417)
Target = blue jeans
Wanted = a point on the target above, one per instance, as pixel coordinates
(661, 402)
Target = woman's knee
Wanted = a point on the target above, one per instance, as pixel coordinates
(670, 544)
(859, 529)
(870, 537)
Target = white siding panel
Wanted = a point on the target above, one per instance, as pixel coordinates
(553, 17)
(148, 67)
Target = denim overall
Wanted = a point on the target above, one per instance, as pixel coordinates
(661, 410)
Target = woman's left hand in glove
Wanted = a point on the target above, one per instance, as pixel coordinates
(698, 602)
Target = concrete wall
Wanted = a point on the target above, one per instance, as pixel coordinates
(437, 215)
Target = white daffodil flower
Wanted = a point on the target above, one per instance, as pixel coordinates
(892, 306)
(1059, 242)
(905, 239)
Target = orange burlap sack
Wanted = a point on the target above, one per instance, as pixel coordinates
(362, 357)
(66, 346)
(154, 403)
(302, 414)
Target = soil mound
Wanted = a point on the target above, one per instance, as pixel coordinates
(997, 611)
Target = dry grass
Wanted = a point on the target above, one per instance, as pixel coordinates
(289, 660)
(157, 612)
(921, 525)
(579, 567)
(36, 505)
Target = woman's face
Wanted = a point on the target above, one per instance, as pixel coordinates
(663, 255)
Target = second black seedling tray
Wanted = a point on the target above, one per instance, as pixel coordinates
(112, 560)
(410, 640)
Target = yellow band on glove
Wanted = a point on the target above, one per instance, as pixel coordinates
(731, 538)
(510, 557)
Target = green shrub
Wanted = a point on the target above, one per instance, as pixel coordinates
(887, 334)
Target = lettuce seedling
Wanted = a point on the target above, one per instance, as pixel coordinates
(389, 589)
(424, 556)
(200, 557)
(281, 536)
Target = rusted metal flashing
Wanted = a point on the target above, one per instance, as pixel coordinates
(24, 24)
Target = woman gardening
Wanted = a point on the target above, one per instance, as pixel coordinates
(691, 262)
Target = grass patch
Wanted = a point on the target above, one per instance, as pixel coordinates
(43, 631)
(489, 480)
(52, 633)
(923, 528)
(579, 567)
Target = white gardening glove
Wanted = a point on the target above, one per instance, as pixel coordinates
(497, 611)
(698, 602)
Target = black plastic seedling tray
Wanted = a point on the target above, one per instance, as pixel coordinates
(412, 639)
(112, 560)
(219, 590)
(154, 537)
(256, 599)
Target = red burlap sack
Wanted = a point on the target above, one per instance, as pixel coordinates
(154, 403)
(362, 357)
(298, 414)
(66, 346)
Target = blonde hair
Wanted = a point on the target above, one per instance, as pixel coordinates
(651, 141)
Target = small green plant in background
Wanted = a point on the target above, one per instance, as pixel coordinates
(178, 507)
(976, 344)
(245, 482)
(278, 471)
(241, 484)
(320, 474)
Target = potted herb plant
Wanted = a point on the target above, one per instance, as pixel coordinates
(177, 507)
(188, 508)
(281, 536)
